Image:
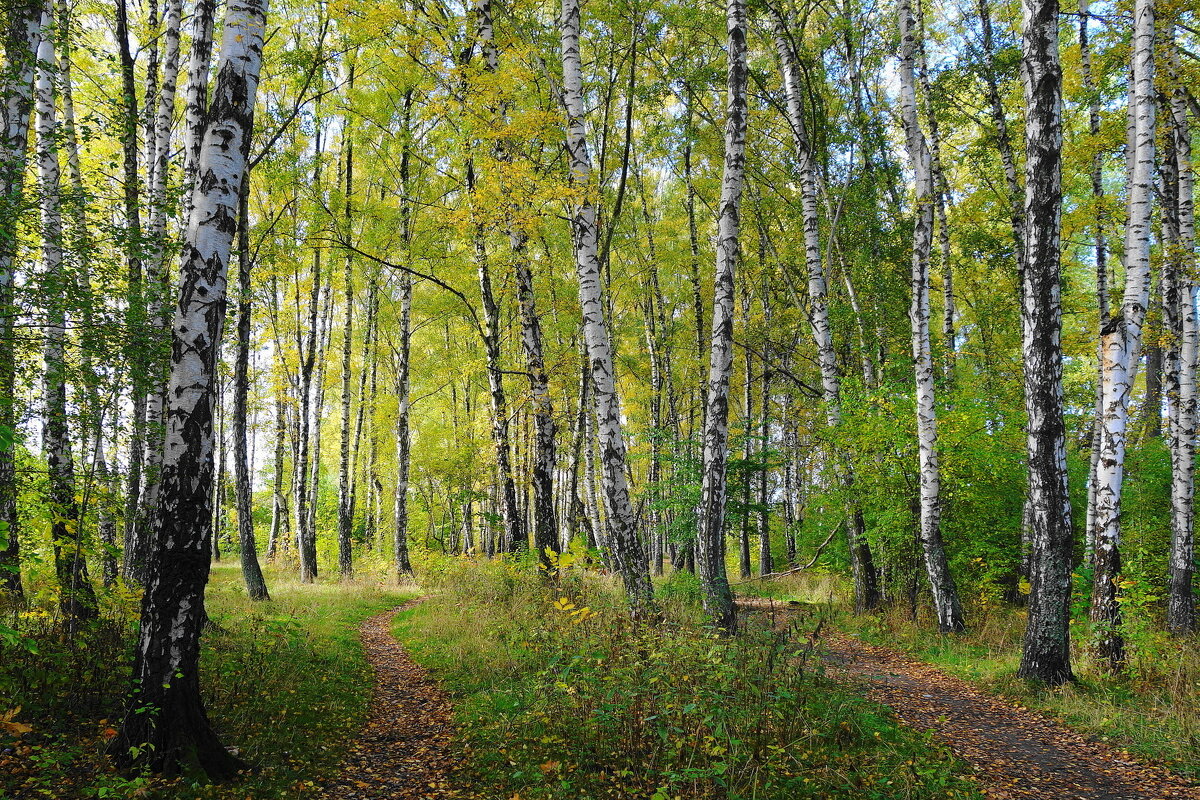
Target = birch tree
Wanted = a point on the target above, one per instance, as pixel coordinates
(515, 536)
(402, 353)
(256, 585)
(158, 147)
(1185, 338)
(862, 564)
(1101, 256)
(1046, 651)
(345, 518)
(710, 526)
(77, 598)
(165, 673)
(945, 595)
(624, 546)
(133, 555)
(1121, 338)
(22, 23)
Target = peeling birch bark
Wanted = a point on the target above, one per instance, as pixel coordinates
(166, 675)
(1181, 604)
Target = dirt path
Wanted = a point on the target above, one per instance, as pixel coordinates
(404, 752)
(1016, 753)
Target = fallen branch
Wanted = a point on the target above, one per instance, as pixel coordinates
(794, 570)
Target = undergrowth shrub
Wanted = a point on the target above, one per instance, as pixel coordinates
(560, 695)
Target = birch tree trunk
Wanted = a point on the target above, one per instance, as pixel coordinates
(1121, 338)
(166, 675)
(404, 570)
(625, 548)
(544, 458)
(1101, 256)
(945, 595)
(658, 350)
(345, 472)
(515, 537)
(134, 555)
(371, 471)
(1046, 653)
(106, 523)
(324, 337)
(545, 524)
(698, 313)
(306, 545)
(77, 597)
(1003, 139)
(279, 509)
(862, 565)
(748, 451)
(22, 36)
(218, 505)
(940, 192)
(401, 357)
(1181, 608)
(364, 400)
(710, 527)
(256, 585)
(158, 283)
(196, 106)
(765, 562)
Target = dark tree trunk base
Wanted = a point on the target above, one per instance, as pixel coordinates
(188, 747)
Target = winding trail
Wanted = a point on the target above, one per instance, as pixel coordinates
(404, 752)
(1016, 753)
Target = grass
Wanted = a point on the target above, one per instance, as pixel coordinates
(559, 695)
(286, 682)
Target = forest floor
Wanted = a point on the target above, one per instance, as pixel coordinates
(404, 753)
(1016, 753)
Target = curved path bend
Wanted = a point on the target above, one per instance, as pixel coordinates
(404, 752)
(1018, 754)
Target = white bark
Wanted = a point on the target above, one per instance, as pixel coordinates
(625, 548)
(196, 96)
(403, 566)
(345, 469)
(166, 666)
(77, 596)
(945, 595)
(21, 39)
(866, 592)
(710, 529)
(1101, 256)
(157, 279)
(1181, 611)
(1121, 338)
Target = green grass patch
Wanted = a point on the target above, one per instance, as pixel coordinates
(559, 695)
(286, 682)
